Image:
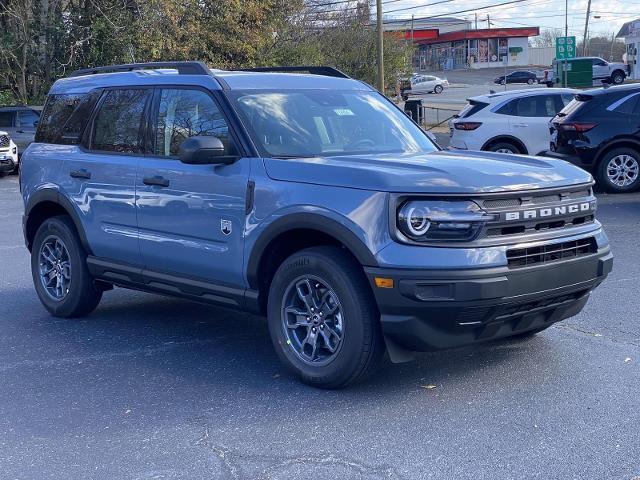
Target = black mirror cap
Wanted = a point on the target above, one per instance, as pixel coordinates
(204, 150)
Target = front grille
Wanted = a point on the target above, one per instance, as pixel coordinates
(524, 257)
(537, 213)
(4, 141)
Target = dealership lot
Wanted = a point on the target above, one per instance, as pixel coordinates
(150, 387)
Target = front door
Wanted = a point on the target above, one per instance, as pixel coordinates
(191, 217)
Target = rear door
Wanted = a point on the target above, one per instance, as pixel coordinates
(99, 176)
(530, 121)
(191, 217)
(600, 69)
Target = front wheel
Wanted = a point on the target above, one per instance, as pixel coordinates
(59, 269)
(619, 170)
(323, 319)
(438, 89)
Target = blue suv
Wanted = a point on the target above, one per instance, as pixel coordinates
(305, 196)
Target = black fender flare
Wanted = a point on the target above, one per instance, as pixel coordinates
(52, 195)
(312, 221)
(508, 138)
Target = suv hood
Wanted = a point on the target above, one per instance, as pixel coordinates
(436, 172)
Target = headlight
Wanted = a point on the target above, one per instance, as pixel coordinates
(441, 220)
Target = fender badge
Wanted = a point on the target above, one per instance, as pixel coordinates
(225, 226)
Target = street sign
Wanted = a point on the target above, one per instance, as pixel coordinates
(565, 47)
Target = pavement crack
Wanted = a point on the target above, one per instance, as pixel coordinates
(566, 326)
(236, 464)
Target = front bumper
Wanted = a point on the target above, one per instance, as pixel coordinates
(436, 309)
(7, 164)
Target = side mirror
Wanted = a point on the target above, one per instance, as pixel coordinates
(204, 150)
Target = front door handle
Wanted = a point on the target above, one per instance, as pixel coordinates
(520, 125)
(156, 181)
(82, 173)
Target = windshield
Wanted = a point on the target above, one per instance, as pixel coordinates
(320, 123)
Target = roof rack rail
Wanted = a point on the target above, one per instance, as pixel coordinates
(314, 70)
(184, 68)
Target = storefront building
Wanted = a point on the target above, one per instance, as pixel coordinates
(450, 43)
(630, 32)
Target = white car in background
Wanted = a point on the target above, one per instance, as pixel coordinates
(423, 84)
(515, 121)
(8, 154)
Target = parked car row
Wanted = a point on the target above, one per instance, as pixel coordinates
(598, 129)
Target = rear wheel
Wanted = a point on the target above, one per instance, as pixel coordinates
(437, 89)
(504, 147)
(617, 77)
(322, 318)
(531, 81)
(619, 170)
(59, 270)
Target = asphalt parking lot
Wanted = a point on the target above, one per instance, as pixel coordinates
(156, 388)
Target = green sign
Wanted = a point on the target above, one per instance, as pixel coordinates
(565, 47)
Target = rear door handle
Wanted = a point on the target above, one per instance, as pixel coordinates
(156, 181)
(82, 173)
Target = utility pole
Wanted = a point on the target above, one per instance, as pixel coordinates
(380, 47)
(566, 35)
(476, 21)
(412, 43)
(586, 30)
(488, 22)
(613, 39)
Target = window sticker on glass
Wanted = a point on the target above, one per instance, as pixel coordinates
(343, 112)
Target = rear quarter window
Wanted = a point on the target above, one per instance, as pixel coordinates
(56, 112)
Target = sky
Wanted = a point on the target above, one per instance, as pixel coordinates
(536, 13)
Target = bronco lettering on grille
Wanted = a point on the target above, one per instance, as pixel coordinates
(583, 207)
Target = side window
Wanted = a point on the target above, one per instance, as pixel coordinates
(187, 113)
(508, 108)
(537, 106)
(118, 125)
(27, 119)
(566, 99)
(628, 106)
(6, 119)
(57, 111)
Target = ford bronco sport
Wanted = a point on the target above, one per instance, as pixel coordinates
(305, 197)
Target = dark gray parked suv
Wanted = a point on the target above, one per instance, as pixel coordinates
(308, 198)
(20, 123)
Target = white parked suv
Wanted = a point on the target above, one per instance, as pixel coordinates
(515, 121)
(8, 154)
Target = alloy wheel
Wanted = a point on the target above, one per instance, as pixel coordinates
(312, 320)
(54, 267)
(622, 170)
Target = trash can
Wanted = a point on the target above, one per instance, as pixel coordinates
(413, 108)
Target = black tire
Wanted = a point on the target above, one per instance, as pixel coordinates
(607, 165)
(361, 346)
(82, 296)
(617, 77)
(405, 97)
(549, 84)
(437, 89)
(531, 81)
(501, 147)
